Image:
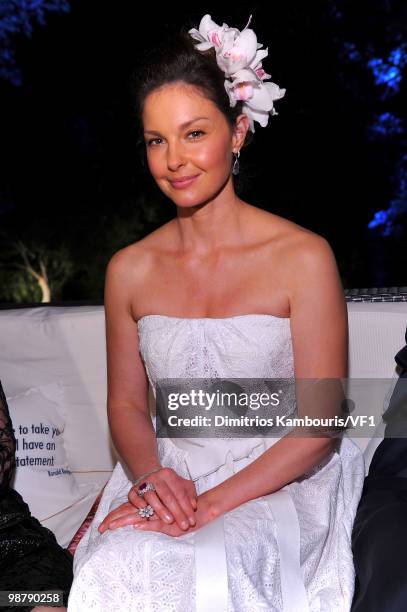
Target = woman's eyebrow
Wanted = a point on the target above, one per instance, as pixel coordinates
(181, 127)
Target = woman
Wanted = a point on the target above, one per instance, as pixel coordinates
(223, 290)
(30, 556)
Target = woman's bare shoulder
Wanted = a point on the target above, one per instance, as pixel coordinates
(301, 256)
(304, 252)
(307, 260)
(300, 241)
(287, 235)
(136, 259)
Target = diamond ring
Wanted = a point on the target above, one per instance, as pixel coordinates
(146, 512)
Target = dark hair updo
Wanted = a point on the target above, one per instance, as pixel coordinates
(175, 59)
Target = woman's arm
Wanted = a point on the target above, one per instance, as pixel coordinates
(129, 417)
(130, 423)
(319, 329)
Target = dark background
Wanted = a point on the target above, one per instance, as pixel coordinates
(73, 191)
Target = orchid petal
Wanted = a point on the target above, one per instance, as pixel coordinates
(207, 25)
(243, 91)
(234, 58)
(260, 55)
(245, 75)
(247, 44)
(275, 92)
(228, 39)
(261, 99)
(264, 96)
(204, 46)
(262, 74)
(260, 116)
(209, 34)
(196, 35)
(230, 92)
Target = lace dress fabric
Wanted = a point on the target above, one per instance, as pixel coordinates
(30, 556)
(127, 570)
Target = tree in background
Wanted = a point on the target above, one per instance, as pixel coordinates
(18, 17)
(32, 272)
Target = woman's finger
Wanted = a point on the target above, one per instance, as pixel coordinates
(133, 497)
(118, 512)
(126, 518)
(170, 499)
(162, 511)
(174, 497)
(130, 519)
(121, 521)
(187, 506)
(191, 492)
(154, 500)
(185, 493)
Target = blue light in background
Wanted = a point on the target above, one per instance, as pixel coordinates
(397, 57)
(387, 222)
(351, 52)
(386, 124)
(388, 72)
(381, 217)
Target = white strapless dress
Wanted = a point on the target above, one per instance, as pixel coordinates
(289, 551)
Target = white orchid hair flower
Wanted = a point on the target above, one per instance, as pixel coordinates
(239, 56)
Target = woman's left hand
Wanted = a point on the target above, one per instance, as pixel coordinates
(127, 514)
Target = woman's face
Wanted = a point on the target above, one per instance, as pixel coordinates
(186, 135)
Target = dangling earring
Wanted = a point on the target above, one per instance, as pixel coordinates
(235, 169)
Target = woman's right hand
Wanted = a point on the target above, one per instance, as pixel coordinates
(174, 498)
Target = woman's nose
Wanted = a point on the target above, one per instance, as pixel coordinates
(175, 157)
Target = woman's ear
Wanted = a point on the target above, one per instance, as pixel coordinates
(241, 126)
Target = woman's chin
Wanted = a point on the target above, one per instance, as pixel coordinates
(189, 200)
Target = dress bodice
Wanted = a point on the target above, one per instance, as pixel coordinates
(243, 346)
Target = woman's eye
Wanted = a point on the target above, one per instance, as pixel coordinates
(156, 141)
(197, 134)
(152, 141)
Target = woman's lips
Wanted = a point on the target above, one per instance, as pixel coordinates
(181, 184)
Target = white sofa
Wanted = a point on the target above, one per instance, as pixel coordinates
(43, 344)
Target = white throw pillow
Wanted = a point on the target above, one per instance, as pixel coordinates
(42, 475)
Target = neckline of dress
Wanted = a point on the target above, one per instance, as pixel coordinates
(212, 318)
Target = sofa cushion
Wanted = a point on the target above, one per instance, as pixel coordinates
(376, 333)
(44, 344)
(42, 475)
